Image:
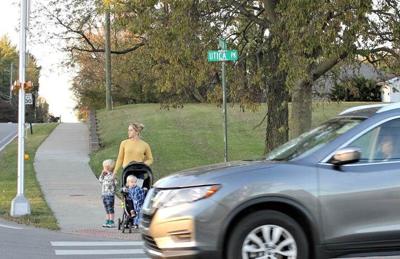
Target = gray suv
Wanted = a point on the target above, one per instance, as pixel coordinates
(333, 191)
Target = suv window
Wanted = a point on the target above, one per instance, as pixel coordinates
(380, 144)
(313, 140)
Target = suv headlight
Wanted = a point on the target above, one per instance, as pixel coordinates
(173, 197)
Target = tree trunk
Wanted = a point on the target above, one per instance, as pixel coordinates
(301, 112)
(277, 131)
(108, 59)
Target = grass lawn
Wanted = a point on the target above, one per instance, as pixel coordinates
(41, 215)
(192, 136)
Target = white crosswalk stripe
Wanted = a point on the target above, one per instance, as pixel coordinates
(95, 243)
(134, 249)
(100, 252)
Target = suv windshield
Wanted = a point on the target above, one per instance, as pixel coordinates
(313, 140)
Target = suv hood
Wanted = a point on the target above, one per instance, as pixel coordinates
(209, 174)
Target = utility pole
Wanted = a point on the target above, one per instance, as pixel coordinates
(11, 80)
(108, 58)
(20, 205)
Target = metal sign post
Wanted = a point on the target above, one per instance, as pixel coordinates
(223, 46)
(20, 205)
(225, 114)
(223, 55)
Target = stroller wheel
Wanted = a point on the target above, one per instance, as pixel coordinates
(123, 228)
(119, 224)
(130, 227)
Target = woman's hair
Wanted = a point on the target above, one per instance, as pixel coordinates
(131, 178)
(109, 163)
(137, 126)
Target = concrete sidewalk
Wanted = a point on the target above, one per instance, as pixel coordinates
(70, 188)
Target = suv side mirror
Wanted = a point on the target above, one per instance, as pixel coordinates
(346, 156)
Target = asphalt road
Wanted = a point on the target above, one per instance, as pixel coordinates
(7, 133)
(21, 242)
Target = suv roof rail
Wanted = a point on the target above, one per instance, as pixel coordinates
(363, 107)
(389, 107)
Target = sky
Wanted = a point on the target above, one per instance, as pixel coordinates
(55, 81)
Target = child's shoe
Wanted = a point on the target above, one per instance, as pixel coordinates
(105, 225)
(111, 224)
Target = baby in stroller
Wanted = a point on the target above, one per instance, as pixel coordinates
(136, 179)
(134, 199)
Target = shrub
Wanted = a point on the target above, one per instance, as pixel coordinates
(356, 89)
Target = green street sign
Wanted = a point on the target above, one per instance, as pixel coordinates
(222, 44)
(222, 55)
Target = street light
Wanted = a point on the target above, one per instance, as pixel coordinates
(20, 205)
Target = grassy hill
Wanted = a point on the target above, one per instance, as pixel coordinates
(41, 215)
(192, 136)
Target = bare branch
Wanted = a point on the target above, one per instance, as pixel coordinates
(261, 122)
(326, 65)
(251, 16)
(269, 6)
(92, 47)
(381, 49)
(118, 52)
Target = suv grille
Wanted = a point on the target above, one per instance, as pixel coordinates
(150, 243)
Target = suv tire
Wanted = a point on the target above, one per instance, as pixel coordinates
(281, 230)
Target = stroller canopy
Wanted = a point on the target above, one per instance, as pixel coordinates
(142, 172)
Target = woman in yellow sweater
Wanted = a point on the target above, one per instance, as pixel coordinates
(133, 148)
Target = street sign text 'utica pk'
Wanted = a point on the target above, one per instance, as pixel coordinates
(222, 55)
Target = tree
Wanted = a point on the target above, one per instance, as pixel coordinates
(307, 39)
(284, 46)
(77, 20)
(323, 34)
(42, 110)
(177, 47)
(132, 81)
(255, 27)
(8, 112)
(159, 71)
(9, 57)
(319, 36)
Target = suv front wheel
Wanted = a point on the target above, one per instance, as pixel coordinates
(267, 234)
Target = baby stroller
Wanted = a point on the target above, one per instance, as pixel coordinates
(145, 180)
